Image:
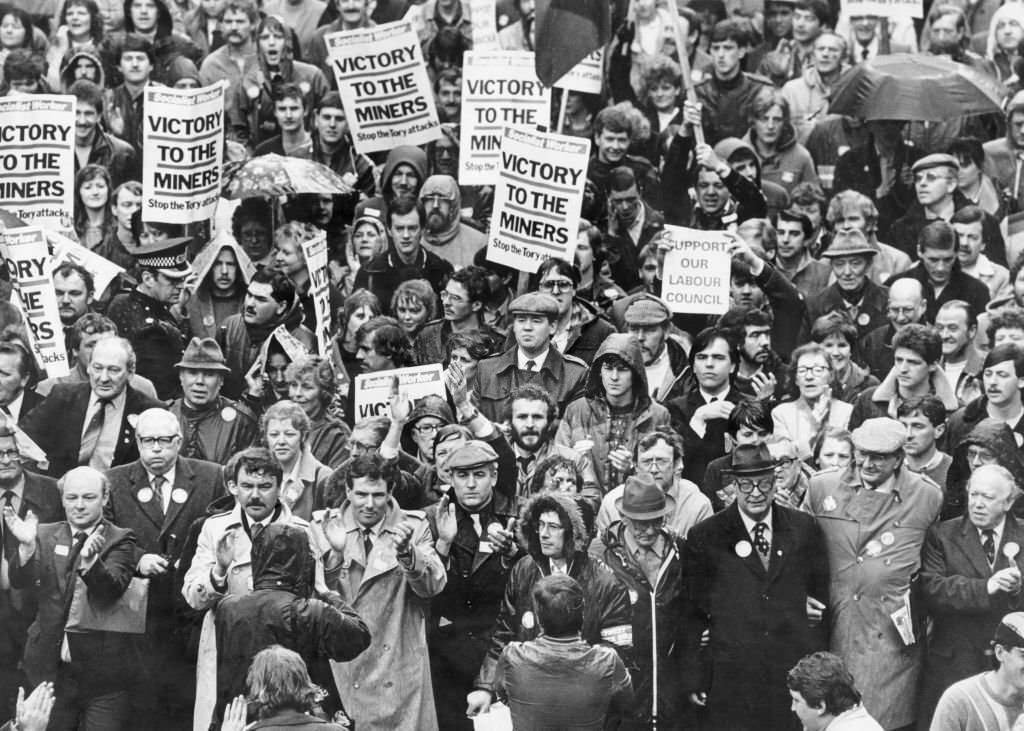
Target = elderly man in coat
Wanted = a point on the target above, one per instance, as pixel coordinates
(381, 559)
(971, 577)
(874, 515)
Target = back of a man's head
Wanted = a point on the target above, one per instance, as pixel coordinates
(558, 602)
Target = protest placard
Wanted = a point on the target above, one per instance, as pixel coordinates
(373, 389)
(485, 28)
(183, 141)
(884, 8)
(499, 89)
(27, 258)
(102, 270)
(292, 347)
(696, 272)
(538, 198)
(586, 76)
(37, 158)
(384, 87)
(315, 251)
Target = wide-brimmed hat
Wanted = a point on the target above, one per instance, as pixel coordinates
(850, 242)
(750, 459)
(203, 354)
(642, 499)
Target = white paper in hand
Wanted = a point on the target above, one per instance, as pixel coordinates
(498, 718)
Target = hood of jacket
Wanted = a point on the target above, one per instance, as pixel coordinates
(182, 68)
(576, 514)
(729, 146)
(281, 558)
(997, 437)
(446, 186)
(628, 349)
(164, 19)
(407, 154)
(67, 68)
(204, 260)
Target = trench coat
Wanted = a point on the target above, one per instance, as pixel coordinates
(874, 541)
(388, 687)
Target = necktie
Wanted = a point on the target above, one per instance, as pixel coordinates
(475, 517)
(367, 543)
(864, 53)
(158, 490)
(8, 544)
(76, 550)
(761, 542)
(531, 365)
(989, 545)
(91, 435)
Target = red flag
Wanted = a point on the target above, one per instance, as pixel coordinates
(567, 32)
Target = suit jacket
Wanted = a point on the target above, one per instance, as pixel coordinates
(18, 606)
(56, 425)
(29, 400)
(954, 578)
(758, 617)
(700, 450)
(100, 661)
(202, 483)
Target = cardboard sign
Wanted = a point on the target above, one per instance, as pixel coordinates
(103, 270)
(499, 89)
(884, 8)
(696, 271)
(383, 83)
(37, 158)
(585, 77)
(293, 350)
(483, 13)
(315, 251)
(373, 389)
(183, 140)
(28, 262)
(538, 198)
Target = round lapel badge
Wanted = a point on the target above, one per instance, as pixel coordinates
(873, 548)
(528, 621)
(828, 504)
(744, 549)
(228, 414)
(888, 538)
(179, 495)
(144, 495)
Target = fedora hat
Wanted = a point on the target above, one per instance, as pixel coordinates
(751, 459)
(642, 499)
(203, 355)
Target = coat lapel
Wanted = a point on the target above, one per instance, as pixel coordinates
(183, 478)
(1012, 531)
(783, 541)
(61, 558)
(970, 544)
(737, 535)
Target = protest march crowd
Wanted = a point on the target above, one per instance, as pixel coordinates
(500, 364)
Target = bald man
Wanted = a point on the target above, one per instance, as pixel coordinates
(159, 496)
(92, 423)
(906, 306)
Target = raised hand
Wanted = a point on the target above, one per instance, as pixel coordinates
(24, 529)
(447, 523)
(225, 551)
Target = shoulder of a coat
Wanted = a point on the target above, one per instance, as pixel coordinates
(414, 514)
(760, 79)
(300, 522)
(575, 361)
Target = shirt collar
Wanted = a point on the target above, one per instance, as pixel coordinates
(707, 395)
(117, 401)
(168, 475)
(539, 360)
(749, 524)
(15, 406)
(997, 531)
(635, 551)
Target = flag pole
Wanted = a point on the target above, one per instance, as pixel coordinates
(561, 111)
(684, 67)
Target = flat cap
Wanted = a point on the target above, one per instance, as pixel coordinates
(850, 242)
(1010, 632)
(647, 310)
(534, 303)
(936, 160)
(883, 435)
(471, 454)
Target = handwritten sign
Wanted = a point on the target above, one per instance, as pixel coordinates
(696, 271)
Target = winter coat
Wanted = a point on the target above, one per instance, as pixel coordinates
(905, 231)
(869, 314)
(280, 611)
(789, 165)
(971, 425)
(562, 376)
(808, 99)
(874, 542)
(885, 399)
(201, 311)
(384, 272)
(726, 104)
(607, 616)
(389, 686)
(659, 627)
(589, 417)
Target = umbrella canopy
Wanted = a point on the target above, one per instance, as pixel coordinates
(273, 175)
(914, 87)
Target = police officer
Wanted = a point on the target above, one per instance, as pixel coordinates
(144, 315)
(213, 427)
(477, 565)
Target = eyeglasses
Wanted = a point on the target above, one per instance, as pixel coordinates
(783, 463)
(655, 463)
(545, 527)
(901, 310)
(436, 199)
(813, 370)
(153, 441)
(763, 485)
(10, 455)
(557, 285)
(427, 428)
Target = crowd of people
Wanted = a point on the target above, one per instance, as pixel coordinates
(802, 512)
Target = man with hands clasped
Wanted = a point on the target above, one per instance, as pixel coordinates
(381, 559)
(970, 579)
(82, 561)
(474, 539)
